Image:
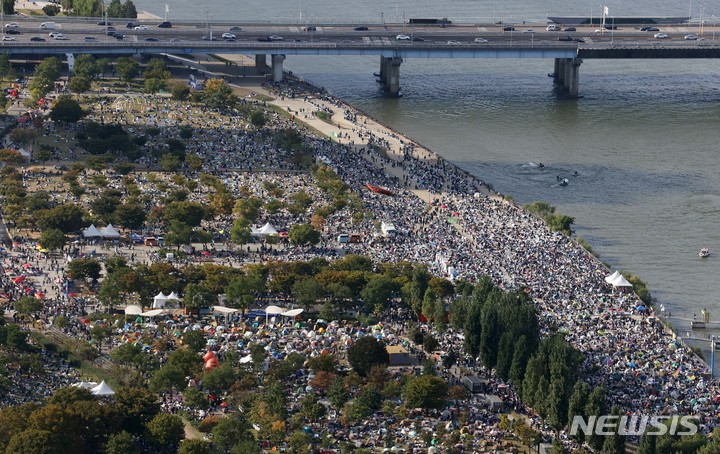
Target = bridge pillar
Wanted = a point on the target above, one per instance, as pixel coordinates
(559, 76)
(572, 76)
(383, 70)
(261, 62)
(277, 67)
(393, 76)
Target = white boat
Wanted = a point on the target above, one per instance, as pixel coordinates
(704, 252)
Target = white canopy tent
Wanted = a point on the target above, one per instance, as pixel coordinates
(254, 231)
(102, 390)
(173, 300)
(159, 301)
(609, 279)
(267, 229)
(110, 232)
(133, 310)
(274, 310)
(620, 281)
(91, 232)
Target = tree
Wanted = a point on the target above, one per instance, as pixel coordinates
(190, 213)
(86, 67)
(51, 10)
(128, 10)
(337, 393)
(230, 431)
(157, 69)
(596, 407)
(528, 436)
(218, 94)
(541, 209)
(239, 293)
(130, 215)
(307, 292)
(42, 154)
(78, 85)
(84, 269)
(169, 162)
(28, 305)
(180, 91)
(86, 8)
(248, 208)
(365, 353)
(560, 223)
(33, 441)
(558, 448)
(578, 402)
(194, 339)
(137, 406)
(66, 218)
(323, 363)
(100, 333)
(166, 378)
(377, 294)
(52, 239)
(241, 232)
(299, 443)
(153, 85)
(194, 446)
(196, 399)
(195, 162)
(127, 68)
(425, 392)
(197, 296)
(5, 65)
(257, 118)
(614, 443)
(302, 234)
(166, 431)
(219, 379)
(114, 9)
(120, 443)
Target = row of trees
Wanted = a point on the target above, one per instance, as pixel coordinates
(93, 8)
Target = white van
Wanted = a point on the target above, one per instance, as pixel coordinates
(47, 25)
(387, 228)
(343, 238)
(552, 28)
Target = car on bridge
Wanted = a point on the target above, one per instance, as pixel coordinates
(165, 24)
(54, 34)
(141, 27)
(209, 38)
(152, 38)
(130, 25)
(454, 43)
(691, 37)
(228, 36)
(311, 28)
(12, 25)
(652, 29)
(417, 38)
(102, 23)
(569, 29)
(360, 28)
(402, 38)
(120, 37)
(234, 29)
(110, 33)
(8, 38)
(62, 37)
(37, 38)
(177, 40)
(566, 38)
(578, 40)
(12, 31)
(481, 40)
(91, 39)
(529, 30)
(508, 29)
(660, 35)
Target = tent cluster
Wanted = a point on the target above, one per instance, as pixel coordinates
(107, 232)
(618, 280)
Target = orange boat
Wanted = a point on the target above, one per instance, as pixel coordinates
(378, 190)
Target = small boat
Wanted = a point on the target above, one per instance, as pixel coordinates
(697, 325)
(704, 252)
(378, 190)
(564, 182)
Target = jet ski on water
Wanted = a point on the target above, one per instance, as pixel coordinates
(564, 182)
(541, 165)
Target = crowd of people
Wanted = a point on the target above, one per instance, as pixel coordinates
(462, 232)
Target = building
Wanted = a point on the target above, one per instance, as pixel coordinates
(398, 355)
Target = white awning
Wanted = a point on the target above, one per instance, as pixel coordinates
(133, 310)
(152, 313)
(274, 310)
(224, 310)
(293, 313)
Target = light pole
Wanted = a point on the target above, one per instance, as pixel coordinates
(712, 357)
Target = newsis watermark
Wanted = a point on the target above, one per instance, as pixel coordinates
(634, 425)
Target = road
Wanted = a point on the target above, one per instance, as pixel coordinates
(387, 35)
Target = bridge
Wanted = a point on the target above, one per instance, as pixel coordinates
(393, 43)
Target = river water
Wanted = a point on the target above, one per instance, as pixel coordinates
(643, 138)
